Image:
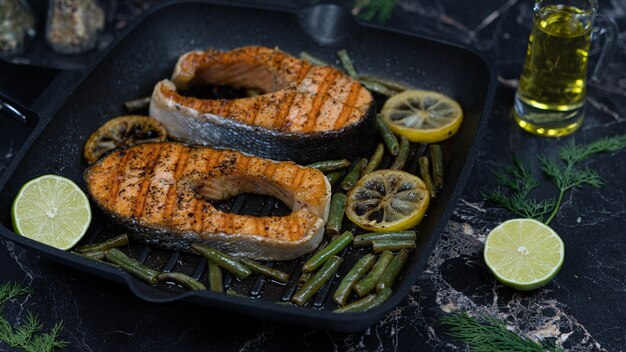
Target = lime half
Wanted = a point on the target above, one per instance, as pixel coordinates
(524, 253)
(52, 210)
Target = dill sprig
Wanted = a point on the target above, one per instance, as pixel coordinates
(487, 334)
(519, 179)
(563, 171)
(27, 335)
(370, 9)
(12, 290)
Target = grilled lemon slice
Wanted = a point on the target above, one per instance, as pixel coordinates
(423, 116)
(123, 131)
(387, 200)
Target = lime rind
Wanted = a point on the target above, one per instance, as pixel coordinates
(503, 232)
(58, 195)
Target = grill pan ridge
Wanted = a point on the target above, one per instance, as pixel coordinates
(73, 107)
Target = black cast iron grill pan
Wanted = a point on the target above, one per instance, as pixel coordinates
(73, 107)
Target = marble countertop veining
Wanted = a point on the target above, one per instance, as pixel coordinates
(584, 307)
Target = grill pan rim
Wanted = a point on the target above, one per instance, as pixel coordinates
(65, 84)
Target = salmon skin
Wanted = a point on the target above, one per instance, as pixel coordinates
(307, 113)
(163, 191)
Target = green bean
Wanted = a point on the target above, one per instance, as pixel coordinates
(252, 93)
(356, 306)
(224, 260)
(99, 256)
(114, 242)
(369, 282)
(378, 88)
(317, 281)
(425, 174)
(349, 280)
(312, 59)
(436, 157)
(335, 215)
(353, 176)
(335, 246)
(334, 177)
(232, 292)
(347, 64)
(266, 271)
(215, 278)
(96, 255)
(390, 140)
(391, 245)
(183, 280)
(330, 165)
(391, 84)
(304, 278)
(368, 304)
(366, 239)
(403, 154)
(137, 104)
(375, 160)
(393, 270)
(132, 266)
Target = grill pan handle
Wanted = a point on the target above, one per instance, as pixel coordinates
(15, 110)
(327, 24)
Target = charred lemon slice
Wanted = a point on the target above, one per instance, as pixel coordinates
(387, 200)
(422, 116)
(123, 131)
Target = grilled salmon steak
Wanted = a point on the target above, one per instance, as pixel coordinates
(307, 112)
(163, 191)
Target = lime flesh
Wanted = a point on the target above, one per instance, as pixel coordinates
(51, 210)
(524, 254)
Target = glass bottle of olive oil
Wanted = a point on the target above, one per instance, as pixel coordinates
(551, 95)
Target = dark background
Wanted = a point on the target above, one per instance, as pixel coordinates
(584, 307)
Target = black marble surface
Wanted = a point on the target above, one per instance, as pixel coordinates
(584, 307)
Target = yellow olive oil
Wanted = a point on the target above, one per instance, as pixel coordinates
(552, 87)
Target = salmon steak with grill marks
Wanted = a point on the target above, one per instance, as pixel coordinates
(305, 113)
(163, 192)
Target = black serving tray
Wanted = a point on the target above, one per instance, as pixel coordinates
(77, 103)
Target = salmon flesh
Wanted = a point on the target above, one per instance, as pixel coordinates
(306, 113)
(163, 191)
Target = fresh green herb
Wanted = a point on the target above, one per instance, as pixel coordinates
(11, 290)
(486, 334)
(563, 171)
(25, 335)
(519, 179)
(566, 176)
(381, 10)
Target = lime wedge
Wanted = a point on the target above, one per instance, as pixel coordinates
(524, 254)
(52, 210)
